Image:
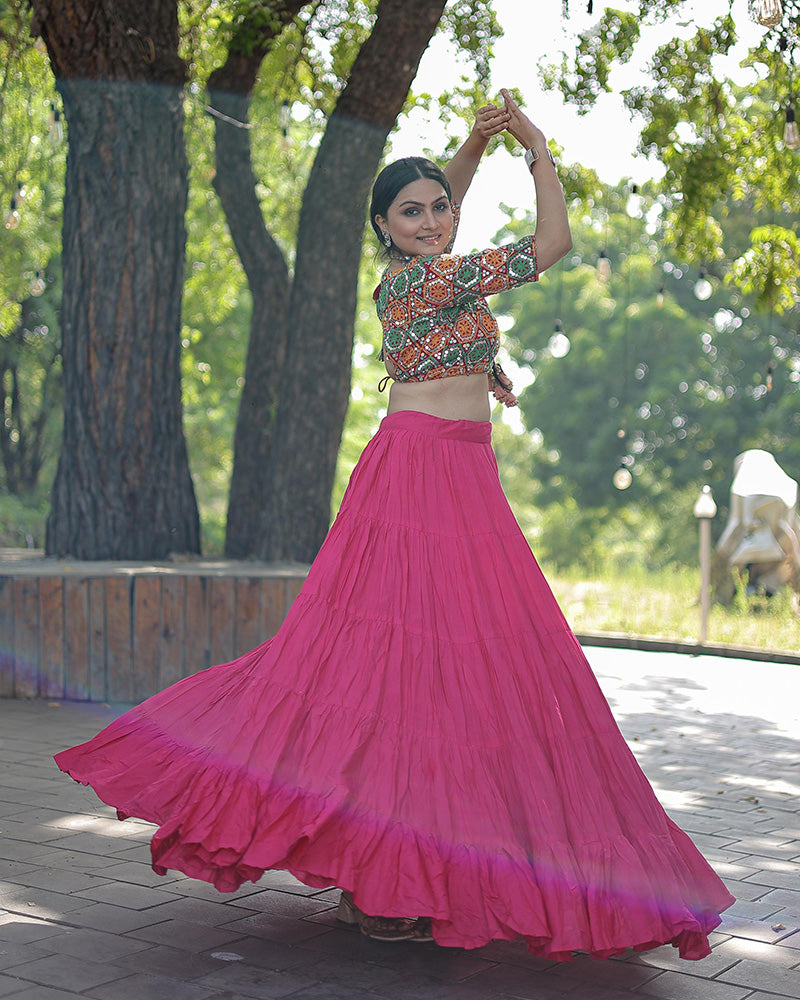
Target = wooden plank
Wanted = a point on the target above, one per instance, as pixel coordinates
(146, 630)
(273, 605)
(221, 619)
(98, 674)
(294, 584)
(119, 659)
(196, 641)
(51, 637)
(247, 617)
(26, 637)
(7, 655)
(76, 639)
(173, 630)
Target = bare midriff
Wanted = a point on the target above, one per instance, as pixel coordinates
(460, 397)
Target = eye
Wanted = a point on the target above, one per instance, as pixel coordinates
(443, 206)
(411, 211)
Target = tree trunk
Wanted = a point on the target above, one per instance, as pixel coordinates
(122, 488)
(230, 90)
(316, 385)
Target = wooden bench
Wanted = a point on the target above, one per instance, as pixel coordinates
(121, 631)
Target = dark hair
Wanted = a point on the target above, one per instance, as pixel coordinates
(394, 177)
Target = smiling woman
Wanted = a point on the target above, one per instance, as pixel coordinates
(424, 731)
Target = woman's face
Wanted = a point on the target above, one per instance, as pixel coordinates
(420, 219)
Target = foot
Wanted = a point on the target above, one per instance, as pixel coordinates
(388, 928)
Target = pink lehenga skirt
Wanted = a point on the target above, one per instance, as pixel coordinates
(424, 730)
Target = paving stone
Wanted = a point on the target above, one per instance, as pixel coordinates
(275, 927)
(766, 977)
(522, 983)
(59, 880)
(141, 987)
(619, 974)
(772, 954)
(74, 860)
(756, 930)
(66, 972)
(10, 984)
(673, 986)
(186, 936)
(23, 930)
(94, 946)
(250, 982)
(283, 903)
(201, 911)
(18, 952)
(114, 919)
(142, 874)
(132, 897)
(43, 993)
(164, 961)
(38, 902)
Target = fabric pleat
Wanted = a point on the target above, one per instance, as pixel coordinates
(424, 731)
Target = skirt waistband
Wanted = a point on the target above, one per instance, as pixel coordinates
(479, 431)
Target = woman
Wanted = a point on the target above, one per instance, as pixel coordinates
(424, 730)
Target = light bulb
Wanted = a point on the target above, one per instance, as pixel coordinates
(56, 127)
(703, 287)
(635, 203)
(769, 12)
(11, 218)
(791, 137)
(660, 297)
(285, 117)
(603, 266)
(38, 286)
(622, 478)
(559, 344)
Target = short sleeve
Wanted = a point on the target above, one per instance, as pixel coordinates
(450, 278)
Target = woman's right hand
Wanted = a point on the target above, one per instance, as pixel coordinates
(520, 126)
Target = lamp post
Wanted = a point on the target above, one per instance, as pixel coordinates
(705, 510)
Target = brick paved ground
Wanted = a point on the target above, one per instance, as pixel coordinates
(82, 914)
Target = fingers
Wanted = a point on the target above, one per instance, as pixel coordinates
(491, 120)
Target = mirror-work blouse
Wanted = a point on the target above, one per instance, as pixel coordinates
(433, 310)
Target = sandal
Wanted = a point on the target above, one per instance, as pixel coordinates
(383, 928)
(388, 928)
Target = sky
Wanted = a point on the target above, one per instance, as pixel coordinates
(605, 139)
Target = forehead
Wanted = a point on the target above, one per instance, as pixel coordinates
(424, 190)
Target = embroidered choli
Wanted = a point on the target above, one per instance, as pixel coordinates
(435, 318)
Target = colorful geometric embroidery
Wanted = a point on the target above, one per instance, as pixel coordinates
(436, 322)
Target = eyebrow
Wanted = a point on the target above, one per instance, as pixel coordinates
(421, 204)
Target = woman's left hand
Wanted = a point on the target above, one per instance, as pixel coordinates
(490, 120)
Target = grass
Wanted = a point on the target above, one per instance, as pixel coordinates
(666, 605)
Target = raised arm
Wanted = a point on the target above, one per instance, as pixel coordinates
(553, 238)
(489, 120)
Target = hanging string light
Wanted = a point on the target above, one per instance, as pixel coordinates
(791, 137)
(37, 285)
(660, 297)
(703, 287)
(12, 218)
(559, 344)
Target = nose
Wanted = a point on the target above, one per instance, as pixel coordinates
(429, 222)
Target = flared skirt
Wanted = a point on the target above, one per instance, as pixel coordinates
(424, 731)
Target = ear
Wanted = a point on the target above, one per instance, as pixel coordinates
(380, 221)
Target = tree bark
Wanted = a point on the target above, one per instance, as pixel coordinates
(301, 463)
(122, 488)
(230, 90)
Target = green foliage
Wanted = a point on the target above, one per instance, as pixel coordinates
(714, 138)
(655, 380)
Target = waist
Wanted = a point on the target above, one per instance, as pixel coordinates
(459, 397)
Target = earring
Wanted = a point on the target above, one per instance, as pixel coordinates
(387, 239)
